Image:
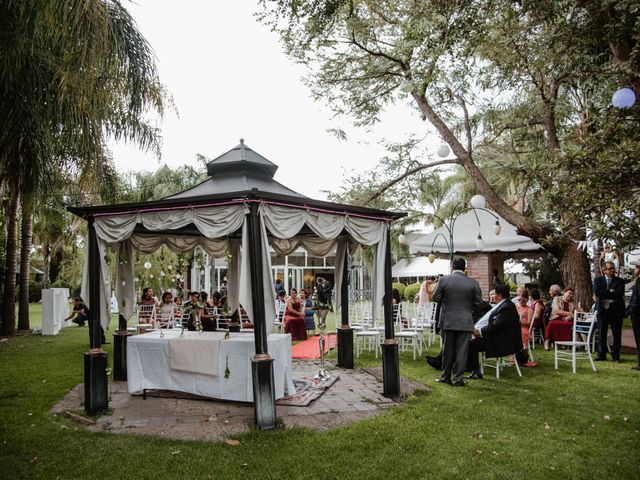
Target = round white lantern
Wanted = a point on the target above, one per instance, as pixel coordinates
(623, 98)
(443, 150)
(147, 265)
(479, 242)
(432, 257)
(478, 201)
(402, 239)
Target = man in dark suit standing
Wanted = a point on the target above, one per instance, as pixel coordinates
(501, 336)
(457, 295)
(609, 292)
(634, 310)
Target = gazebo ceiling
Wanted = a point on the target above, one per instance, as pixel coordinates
(236, 175)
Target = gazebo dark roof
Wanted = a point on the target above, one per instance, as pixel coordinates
(238, 170)
(237, 174)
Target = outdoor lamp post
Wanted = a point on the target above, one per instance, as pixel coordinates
(477, 202)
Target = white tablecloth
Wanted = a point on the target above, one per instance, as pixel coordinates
(148, 366)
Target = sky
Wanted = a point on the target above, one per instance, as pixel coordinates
(230, 79)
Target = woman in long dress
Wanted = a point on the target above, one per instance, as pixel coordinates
(560, 324)
(525, 312)
(294, 317)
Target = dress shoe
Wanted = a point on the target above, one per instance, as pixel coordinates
(459, 384)
(474, 376)
(434, 362)
(599, 359)
(444, 380)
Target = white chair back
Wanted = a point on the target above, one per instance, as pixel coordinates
(146, 313)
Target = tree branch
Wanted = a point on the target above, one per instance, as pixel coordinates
(467, 124)
(407, 173)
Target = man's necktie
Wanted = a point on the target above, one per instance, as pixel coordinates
(608, 282)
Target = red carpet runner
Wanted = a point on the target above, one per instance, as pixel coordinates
(310, 348)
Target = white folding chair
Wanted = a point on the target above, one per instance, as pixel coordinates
(146, 313)
(370, 336)
(499, 365)
(583, 324)
(165, 319)
(278, 323)
(409, 334)
(535, 334)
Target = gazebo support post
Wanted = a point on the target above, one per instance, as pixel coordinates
(390, 360)
(264, 397)
(96, 392)
(345, 332)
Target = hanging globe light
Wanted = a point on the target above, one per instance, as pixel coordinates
(147, 265)
(443, 150)
(623, 98)
(402, 239)
(477, 201)
(479, 242)
(497, 228)
(432, 257)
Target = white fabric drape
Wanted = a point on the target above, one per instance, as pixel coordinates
(285, 223)
(234, 280)
(341, 258)
(125, 288)
(212, 222)
(246, 294)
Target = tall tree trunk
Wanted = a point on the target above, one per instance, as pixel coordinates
(9, 294)
(575, 272)
(25, 261)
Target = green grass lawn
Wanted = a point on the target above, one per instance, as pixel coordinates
(548, 424)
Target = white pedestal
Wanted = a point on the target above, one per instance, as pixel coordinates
(55, 308)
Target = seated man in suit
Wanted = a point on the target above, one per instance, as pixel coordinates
(501, 336)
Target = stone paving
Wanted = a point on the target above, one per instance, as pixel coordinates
(356, 395)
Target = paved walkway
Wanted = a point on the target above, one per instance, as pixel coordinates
(357, 394)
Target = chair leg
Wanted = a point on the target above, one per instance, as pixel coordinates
(573, 358)
(555, 351)
(518, 368)
(498, 365)
(480, 354)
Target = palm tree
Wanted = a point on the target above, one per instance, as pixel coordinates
(71, 73)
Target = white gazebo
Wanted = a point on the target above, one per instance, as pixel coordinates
(240, 211)
(419, 267)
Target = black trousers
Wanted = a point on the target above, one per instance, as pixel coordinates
(604, 321)
(476, 345)
(455, 348)
(635, 323)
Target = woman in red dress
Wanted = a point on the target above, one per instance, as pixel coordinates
(560, 324)
(294, 317)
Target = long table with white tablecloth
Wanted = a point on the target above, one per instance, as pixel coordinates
(204, 363)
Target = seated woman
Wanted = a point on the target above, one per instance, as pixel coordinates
(294, 317)
(560, 323)
(167, 311)
(525, 312)
(307, 305)
(146, 314)
(538, 309)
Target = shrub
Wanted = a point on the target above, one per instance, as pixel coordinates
(400, 287)
(411, 290)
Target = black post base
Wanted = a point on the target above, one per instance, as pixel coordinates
(390, 369)
(345, 346)
(122, 322)
(264, 395)
(120, 355)
(96, 390)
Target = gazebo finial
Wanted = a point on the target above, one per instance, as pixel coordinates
(242, 140)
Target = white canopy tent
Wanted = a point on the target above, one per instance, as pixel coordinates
(465, 230)
(419, 267)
